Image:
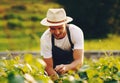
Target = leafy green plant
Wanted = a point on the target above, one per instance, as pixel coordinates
(19, 7)
(31, 69)
(19, 69)
(14, 24)
(71, 76)
(106, 69)
(9, 16)
(35, 18)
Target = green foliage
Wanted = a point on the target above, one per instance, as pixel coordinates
(30, 69)
(15, 79)
(35, 18)
(19, 7)
(96, 18)
(14, 24)
(103, 44)
(104, 70)
(20, 27)
(9, 16)
(19, 69)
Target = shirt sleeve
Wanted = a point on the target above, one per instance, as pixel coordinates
(77, 37)
(45, 46)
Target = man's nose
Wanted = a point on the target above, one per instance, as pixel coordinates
(57, 32)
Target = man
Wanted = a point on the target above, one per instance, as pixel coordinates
(62, 44)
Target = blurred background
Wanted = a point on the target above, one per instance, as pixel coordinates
(20, 28)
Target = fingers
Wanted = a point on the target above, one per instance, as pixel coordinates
(60, 69)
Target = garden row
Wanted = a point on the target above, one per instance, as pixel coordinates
(31, 69)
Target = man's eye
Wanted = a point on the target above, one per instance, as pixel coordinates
(52, 28)
(60, 28)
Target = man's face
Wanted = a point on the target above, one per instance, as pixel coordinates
(58, 32)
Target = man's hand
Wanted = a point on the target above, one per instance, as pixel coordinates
(54, 77)
(61, 69)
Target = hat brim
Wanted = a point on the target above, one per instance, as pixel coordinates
(46, 23)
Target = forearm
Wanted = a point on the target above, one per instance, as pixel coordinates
(50, 71)
(75, 65)
(78, 59)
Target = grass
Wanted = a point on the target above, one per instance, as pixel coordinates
(18, 44)
(32, 43)
(110, 43)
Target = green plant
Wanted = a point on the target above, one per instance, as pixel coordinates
(19, 7)
(106, 69)
(71, 76)
(18, 69)
(35, 18)
(14, 24)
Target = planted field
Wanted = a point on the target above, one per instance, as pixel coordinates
(30, 69)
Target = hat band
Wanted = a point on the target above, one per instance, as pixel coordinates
(56, 22)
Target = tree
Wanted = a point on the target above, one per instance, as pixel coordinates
(93, 16)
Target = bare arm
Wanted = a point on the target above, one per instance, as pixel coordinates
(49, 67)
(78, 59)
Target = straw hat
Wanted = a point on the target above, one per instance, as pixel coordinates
(56, 17)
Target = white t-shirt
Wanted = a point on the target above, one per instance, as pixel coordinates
(77, 39)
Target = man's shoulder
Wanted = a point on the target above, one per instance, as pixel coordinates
(74, 28)
(46, 35)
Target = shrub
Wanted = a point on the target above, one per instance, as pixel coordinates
(19, 7)
(35, 18)
(13, 25)
(20, 69)
(9, 16)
